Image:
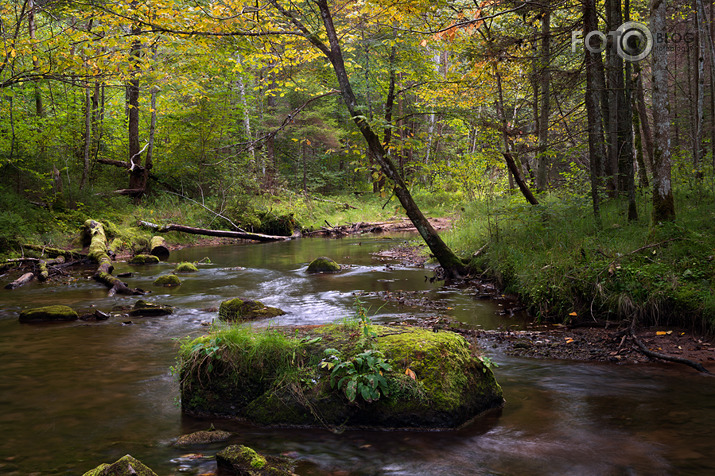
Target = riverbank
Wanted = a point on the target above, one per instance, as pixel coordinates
(566, 269)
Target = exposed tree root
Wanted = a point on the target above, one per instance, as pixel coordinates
(669, 358)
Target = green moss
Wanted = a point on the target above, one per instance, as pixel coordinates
(125, 466)
(49, 313)
(239, 459)
(167, 280)
(144, 259)
(238, 309)
(186, 267)
(323, 265)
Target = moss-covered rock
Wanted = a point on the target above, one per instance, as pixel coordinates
(323, 265)
(125, 466)
(431, 380)
(238, 309)
(244, 461)
(144, 259)
(167, 280)
(186, 267)
(281, 225)
(149, 309)
(203, 437)
(49, 314)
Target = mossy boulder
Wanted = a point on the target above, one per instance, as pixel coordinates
(186, 267)
(281, 225)
(323, 265)
(125, 466)
(238, 309)
(49, 314)
(149, 309)
(203, 437)
(424, 379)
(144, 259)
(168, 280)
(244, 461)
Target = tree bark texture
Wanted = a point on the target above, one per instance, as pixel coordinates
(663, 202)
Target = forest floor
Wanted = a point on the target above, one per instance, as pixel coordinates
(597, 343)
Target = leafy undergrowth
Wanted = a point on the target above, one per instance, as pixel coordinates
(566, 269)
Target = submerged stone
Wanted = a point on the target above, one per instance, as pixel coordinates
(149, 309)
(49, 314)
(144, 259)
(238, 309)
(167, 280)
(186, 267)
(323, 264)
(242, 460)
(432, 380)
(125, 466)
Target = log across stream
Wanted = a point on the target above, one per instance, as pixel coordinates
(77, 394)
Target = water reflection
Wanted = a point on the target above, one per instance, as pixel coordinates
(76, 394)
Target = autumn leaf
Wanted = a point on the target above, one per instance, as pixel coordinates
(411, 374)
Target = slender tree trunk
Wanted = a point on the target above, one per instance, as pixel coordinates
(701, 35)
(596, 142)
(663, 203)
(246, 116)
(32, 29)
(625, 135)
(614, 78)
(136, 177)
(87, 135)
(545, 103)
(643, 117)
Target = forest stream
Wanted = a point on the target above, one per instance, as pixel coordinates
(74, 395)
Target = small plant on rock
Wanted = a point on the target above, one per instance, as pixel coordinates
(360, 376)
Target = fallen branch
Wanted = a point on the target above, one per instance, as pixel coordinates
(98, 254)
(55, 251)
(238, 228)
(204, 231)
(669, 358)
(21, 281)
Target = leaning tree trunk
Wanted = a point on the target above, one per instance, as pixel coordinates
(98, 254)
(453, 266)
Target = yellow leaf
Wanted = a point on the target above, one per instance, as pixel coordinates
(660, 333)
(423, 43)
(573, 314)
(411, 374)
(568, 340)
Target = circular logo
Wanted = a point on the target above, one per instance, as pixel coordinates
(634, 41)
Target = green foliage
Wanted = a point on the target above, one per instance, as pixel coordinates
(360, 376)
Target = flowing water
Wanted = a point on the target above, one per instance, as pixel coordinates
(73, 395)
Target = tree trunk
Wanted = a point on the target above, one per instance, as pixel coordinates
(626, 172)
(596, 143)
(519, 180)
(543, 131)
(136, 177)
(663, 203)
(700, 32)
(87, 136)
(21, 281)
(643, 119)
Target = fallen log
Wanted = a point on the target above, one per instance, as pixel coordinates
(157, 247)
(55, 251)
(207, 232)
(43, 270)
(98, 254)
(21, 281)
